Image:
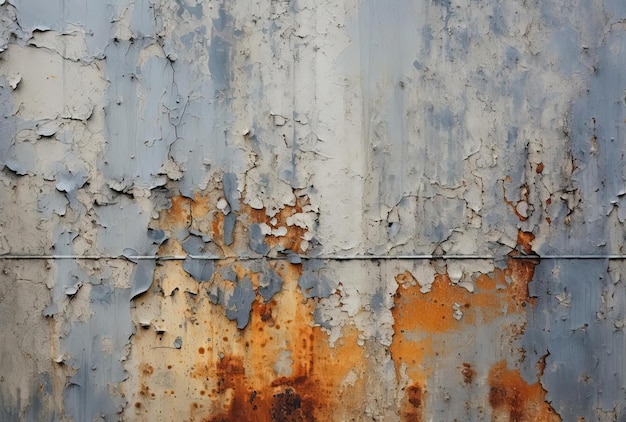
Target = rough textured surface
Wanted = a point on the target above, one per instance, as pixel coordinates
(248, 145)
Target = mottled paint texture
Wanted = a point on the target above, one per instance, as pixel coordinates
(209, 160)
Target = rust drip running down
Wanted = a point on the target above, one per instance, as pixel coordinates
(513, 399)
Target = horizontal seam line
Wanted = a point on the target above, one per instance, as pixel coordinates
(289, 257)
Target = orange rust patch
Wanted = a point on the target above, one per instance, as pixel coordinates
(178, 215)
(432, 312)
(293, 239)
(521, 273)
(217, 225)
(513, 399)
(539, 168)
(235, 378)
(525, 239)
(418, 316)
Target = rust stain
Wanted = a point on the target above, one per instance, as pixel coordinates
(423, 322)
(178, 215)
(227, 374)
(520, 272)
(249, 390)
(289, 406)
(525, 240)
(539, 168)
(405, 279)
(468, 373)
(432, 312)
(513, 399)
(280, 367)
(513, 206)
(201, 215)
(295, 234)
(146, 370)
(412, 406)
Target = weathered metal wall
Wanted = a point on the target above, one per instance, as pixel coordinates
(182, 181)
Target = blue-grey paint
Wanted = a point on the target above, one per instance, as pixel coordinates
(178, 343)
(69, 274)
(88, 395)
(138, 128)
(142, 277)
(229, 184)
(229, 228)
(96, 18)
(8, 124)
(575, 325)
(256, 239)
(194, 11)
(123, 225)
(270, 282)
(199, 269)
(143, 272)
(240, 303)
(69, 181)
(316, 281)
(52, 202)
(446, 98)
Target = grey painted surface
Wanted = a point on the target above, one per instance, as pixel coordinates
(445, 127)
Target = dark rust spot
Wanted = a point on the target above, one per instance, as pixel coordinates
(540, 168)
(144, 390)
(497, 397)
(265, 312)
(412, 408)
(289, 406)
(230, 373)
(468, 373)
(414, 395)
(137, 405)
(146, 370)
(201, 350)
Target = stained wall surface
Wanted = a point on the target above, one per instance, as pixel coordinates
(299, 210)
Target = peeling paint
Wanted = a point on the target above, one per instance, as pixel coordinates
(277, 210)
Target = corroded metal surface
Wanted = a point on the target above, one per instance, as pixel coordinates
(307, 211)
